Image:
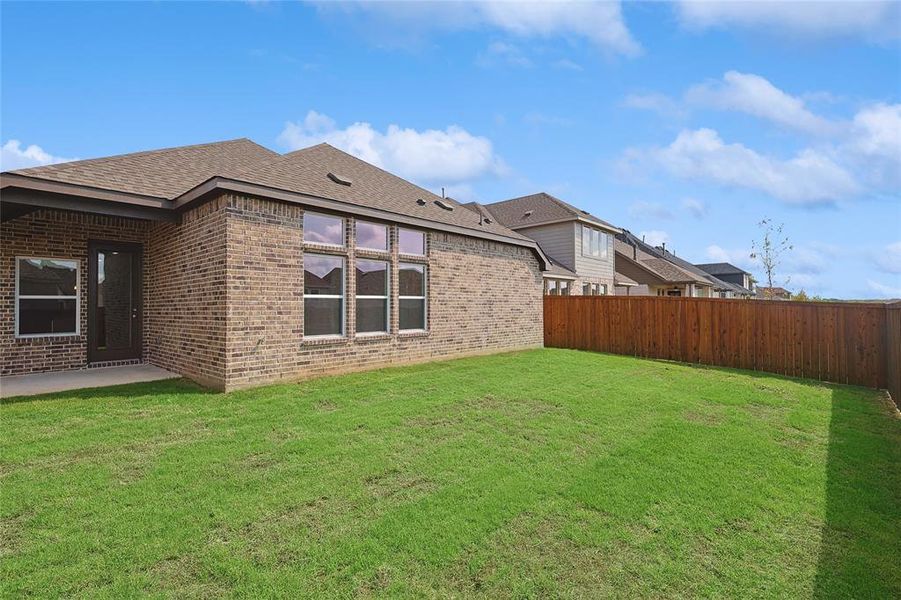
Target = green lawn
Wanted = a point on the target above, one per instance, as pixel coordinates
(541, 473)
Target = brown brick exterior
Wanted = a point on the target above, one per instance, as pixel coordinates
(224, 295)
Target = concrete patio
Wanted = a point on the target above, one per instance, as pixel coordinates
(61, 381)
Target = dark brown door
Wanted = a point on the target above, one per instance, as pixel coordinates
(115, 310)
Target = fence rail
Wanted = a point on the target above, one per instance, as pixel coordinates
(857, 343)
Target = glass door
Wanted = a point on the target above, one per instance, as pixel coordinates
(115, 311)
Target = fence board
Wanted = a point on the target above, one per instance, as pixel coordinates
(857, 343)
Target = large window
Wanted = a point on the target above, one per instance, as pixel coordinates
(323, 290)
(411, 282)
(594, 289)
(372, 296)
(594, 242)
(323, 229)
(372, 236)
(410, 241)
(46, 297)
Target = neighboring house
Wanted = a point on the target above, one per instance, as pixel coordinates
(731, 274)
(578, 244)
(655, 272)
(721, 288)
(233, 265)
(773, 293)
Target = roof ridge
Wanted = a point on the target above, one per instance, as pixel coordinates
(104, 159)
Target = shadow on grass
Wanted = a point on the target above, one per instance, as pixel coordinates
(160, 387)
(861, 536)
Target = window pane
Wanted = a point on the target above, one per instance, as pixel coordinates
(564, 288)
(602, 237)
(372, 236)
(372, 278)
(322, 275)
(323, 229)
(114, 300)
(322, 316)
(46, 316)
(586, 289)
(586, 241)
(411, 242)
(47, 277)
(372, 315)
(411, 279)
(412, 314)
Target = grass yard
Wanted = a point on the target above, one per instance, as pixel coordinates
(541, 473)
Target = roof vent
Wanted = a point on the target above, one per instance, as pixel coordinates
(487, 220)
(340, 179)
(420, 202)
(444, 205)
(527, 214)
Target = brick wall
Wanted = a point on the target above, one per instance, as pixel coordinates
(185, 294)
(482, 297)
(223, 294)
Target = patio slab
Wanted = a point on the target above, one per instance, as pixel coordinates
(61, 381)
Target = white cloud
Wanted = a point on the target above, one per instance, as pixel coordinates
(654, 237)
(451, 155)
(754, 95)
(568, 65)
(649, 210)
(874, 144)
(884, 291)
(695, 207)
(740, 257)
(872, 20)
(808, 178)
(14, 156)
(888, 258)
(598, 22)
(499, 53)
(654, 102)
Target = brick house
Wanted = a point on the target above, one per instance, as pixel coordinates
(579, 246)
(234, 265)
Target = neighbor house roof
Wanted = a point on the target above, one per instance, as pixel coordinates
(541, 209)
(722, 268)
(774, 291)
(654, 260)
(171, 180)
(556, 269)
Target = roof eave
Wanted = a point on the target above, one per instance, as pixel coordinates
(572, 219)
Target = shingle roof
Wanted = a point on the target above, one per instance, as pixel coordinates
(556, 268)
(661, 262)
(722, 268)
(165, 173)
(538, 209)
(306, 172)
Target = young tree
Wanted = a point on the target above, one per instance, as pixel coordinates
(769, 250)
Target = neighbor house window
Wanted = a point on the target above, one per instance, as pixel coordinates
(602, 289)
(46, 297)
(323, 295)
(410, 241)
(372, 296)
(556, 287)
(323, 229)
(411, 284)
(594, 289)
(372, 236)
(594, 242)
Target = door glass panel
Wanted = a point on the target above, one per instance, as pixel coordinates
(114, 300)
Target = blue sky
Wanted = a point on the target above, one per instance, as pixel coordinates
(685, 122)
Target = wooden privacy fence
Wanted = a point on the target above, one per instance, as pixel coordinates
(857, 343)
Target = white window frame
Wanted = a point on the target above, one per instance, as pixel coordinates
(387, 247)
(343, 243)
(425, 241)
(424, 297)
(386, 298)
(76, 297)
(342, 297)
(602, 240)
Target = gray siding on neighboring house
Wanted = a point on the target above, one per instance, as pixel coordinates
(556, 240)
(589, 266)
